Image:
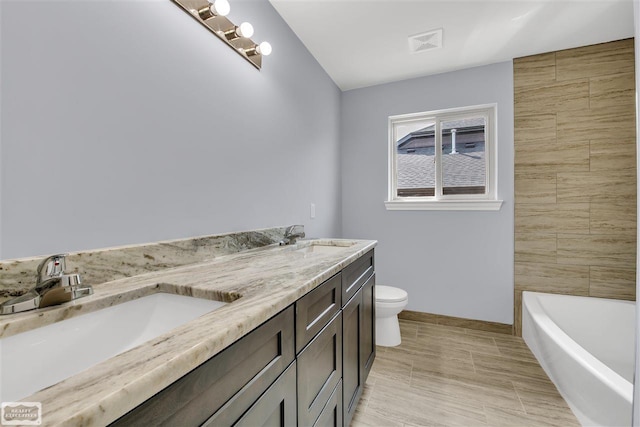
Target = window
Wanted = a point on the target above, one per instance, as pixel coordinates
(443, 160)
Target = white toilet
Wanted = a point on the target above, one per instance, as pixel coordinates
(389, 302)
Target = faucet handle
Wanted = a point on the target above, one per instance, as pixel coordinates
(295, 229)
(52, 266)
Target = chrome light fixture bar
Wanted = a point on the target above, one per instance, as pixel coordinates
(212, 14)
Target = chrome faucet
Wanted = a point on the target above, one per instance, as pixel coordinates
(53, 286)
(291, 234)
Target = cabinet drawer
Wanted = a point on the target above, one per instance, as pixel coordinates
(316, 309)
(276, 407)
(331, 415)
(319, 371)
(356, 274)
(248, 367)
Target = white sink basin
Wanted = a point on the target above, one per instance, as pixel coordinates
(319, 249)
(42, 357)
(314, 248)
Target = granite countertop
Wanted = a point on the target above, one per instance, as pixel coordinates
(256, 283)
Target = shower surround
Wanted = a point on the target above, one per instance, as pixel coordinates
(575, 173)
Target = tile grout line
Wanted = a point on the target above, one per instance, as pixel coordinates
(411, 373)
(519, 398)
(498, 348)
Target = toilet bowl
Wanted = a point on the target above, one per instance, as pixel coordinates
(389, 302)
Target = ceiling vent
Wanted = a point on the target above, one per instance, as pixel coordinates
(425, 41)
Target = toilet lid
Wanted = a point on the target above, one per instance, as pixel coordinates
(390, 294)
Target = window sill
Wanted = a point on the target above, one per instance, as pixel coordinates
(443, 205)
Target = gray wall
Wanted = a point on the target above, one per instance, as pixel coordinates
(127, 121)
(456, 263)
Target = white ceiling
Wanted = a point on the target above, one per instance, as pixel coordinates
(364, 42)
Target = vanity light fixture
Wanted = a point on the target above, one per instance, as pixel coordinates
(212, 14)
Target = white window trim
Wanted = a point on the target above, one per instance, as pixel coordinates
(484, 202)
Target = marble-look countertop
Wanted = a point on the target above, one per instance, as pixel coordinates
(257, 284)
(17, 276)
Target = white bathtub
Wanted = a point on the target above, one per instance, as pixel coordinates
(586, 346)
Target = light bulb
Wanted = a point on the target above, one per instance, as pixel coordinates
(220, 7)
(264, 48)
(245, 30)
(215, 8)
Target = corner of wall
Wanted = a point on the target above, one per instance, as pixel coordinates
(636, 391)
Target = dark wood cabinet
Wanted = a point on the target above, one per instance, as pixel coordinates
(275, 408)
(354, 289)
(356, 274)
(358, 345)
(368, 333)
(306, 366)
(319, 371)
(352, 327)
(316, 309)
(331, 415)
(237, 377)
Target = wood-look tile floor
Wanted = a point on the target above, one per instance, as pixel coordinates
(450, 376)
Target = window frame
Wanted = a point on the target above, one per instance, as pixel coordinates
(439, 201)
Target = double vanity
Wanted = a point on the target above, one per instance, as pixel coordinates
(277, 335)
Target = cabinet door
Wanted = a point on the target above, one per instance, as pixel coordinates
(358, 345)
(242, 371)
(331, 415)
(316, 309)
(352, 319)
(356, 274)
(319, 371)
(368, 331)
(276, 407)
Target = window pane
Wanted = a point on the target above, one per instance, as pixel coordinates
(463, 156)
(416, 167)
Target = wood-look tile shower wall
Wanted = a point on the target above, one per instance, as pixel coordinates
(575, 173)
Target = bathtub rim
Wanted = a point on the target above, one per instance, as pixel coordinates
(589, 362)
